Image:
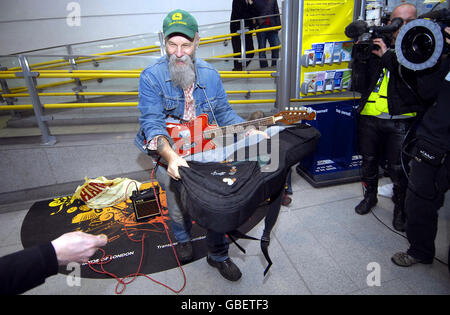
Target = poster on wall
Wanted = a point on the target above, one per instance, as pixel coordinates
(324, 50)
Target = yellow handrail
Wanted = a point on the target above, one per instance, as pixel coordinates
(118, 104)
(131, 71)
(136, 75)
(71, 94)
(44, 86)
(131, 104)
(117, 93)
(266, 29)
(247, 52)
(16, 107)
(47, 85)
(125, 52)
(115, 52)
(324, 99)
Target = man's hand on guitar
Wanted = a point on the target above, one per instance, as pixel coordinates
(257, 132)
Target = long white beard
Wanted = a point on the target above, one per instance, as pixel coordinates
(182, 75)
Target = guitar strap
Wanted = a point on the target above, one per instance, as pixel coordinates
(270, 220)
(210, 107)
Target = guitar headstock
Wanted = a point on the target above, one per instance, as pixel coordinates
(294, 114)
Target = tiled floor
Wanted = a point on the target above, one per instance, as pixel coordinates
(319, 246)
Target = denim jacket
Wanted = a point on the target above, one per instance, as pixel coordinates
(159, 99)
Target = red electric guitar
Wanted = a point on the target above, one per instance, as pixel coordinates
(197, 135)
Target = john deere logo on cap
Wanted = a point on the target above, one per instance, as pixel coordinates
(177, 16)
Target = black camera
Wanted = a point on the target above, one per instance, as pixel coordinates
(420, 43)
(146, 203)
(363, 34)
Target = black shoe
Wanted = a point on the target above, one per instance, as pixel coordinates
(227, 269)
(367, 204)
(185, 252)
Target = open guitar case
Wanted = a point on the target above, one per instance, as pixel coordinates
(222, 196)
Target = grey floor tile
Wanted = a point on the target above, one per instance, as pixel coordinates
(10, 225)
(319, 245)
(324, 276)
(393, 287)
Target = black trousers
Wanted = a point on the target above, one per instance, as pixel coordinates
(380, 142)
(426, 193)
(236, 43)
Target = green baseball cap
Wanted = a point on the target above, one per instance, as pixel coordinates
(179, 21)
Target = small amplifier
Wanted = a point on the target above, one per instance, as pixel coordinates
(145, 203)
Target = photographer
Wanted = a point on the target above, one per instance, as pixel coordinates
(387, 110)
(28, 268)
(430, 168)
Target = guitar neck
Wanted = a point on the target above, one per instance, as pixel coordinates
(240, 127)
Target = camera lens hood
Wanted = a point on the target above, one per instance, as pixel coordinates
(419, 44)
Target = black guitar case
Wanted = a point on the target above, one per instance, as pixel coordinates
(222, 196)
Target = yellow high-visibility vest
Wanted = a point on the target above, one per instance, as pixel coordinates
(377, 103)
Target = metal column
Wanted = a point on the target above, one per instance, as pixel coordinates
(162, 43)
(243, 44)
(285, 64)
(73, 64)
(30, 78)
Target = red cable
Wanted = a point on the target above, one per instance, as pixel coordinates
(108, 258)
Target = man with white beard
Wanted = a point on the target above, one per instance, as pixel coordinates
(180, 86)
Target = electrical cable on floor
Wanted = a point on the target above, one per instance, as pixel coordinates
(402, 235)
(108, 258)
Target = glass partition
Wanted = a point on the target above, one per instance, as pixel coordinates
(107, 71)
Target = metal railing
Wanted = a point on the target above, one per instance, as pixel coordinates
(49, 70)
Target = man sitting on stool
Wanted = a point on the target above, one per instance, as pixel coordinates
(181, 86)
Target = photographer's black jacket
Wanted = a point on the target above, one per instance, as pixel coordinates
(435, 124)
(26, 269)
(402, 97)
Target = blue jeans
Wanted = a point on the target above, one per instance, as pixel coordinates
(288, 186)
(272, 37)
(181, 223)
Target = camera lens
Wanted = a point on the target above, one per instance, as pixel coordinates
(418, 44)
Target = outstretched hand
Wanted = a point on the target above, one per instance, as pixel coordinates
(77, 246)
